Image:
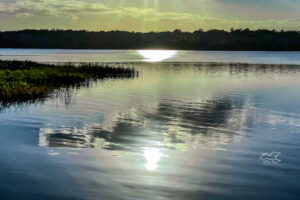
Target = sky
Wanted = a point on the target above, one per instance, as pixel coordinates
(149, 15)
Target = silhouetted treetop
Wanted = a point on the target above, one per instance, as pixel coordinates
(235, 39)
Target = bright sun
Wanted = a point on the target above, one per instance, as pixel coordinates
(156, 55)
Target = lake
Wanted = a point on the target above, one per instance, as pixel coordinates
(192, 125)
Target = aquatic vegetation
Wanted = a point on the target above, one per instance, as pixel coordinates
(25, 80)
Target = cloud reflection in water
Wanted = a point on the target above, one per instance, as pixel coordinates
(169, 124)
(173, 125)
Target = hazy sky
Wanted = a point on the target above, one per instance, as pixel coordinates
(149, 15)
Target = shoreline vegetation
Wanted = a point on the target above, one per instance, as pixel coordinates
(233, 40)
(22, 81)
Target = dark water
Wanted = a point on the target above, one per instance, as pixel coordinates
(179, 131)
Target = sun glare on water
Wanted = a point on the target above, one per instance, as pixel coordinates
(152, 156)
(156, 55)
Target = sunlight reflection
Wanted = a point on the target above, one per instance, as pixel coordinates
(156, 55)
(152, 156)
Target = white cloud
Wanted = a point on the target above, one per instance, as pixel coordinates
(78, 14)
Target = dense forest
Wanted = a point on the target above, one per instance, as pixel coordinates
(238, 39)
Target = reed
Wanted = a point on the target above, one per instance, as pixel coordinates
(20, 80)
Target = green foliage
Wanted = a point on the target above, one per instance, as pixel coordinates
(239, 39)
(27, 80)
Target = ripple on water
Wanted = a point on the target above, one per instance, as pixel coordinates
(179, 131)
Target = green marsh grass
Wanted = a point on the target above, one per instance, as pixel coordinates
(24, 80)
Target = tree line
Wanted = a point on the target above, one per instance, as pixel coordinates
(235, 39)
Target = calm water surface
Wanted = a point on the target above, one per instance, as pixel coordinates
(125, 56)
(178, 131)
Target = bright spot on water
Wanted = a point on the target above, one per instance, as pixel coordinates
(152, 156)
(157, 55)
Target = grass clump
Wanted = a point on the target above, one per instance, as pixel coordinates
(21, 80)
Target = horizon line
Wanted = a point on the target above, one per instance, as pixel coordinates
(174, 30)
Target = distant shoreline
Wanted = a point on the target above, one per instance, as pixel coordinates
(212, 40)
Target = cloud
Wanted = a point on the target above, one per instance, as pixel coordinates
(78, 14)
(50, 7)
(277, 4)
(258, 9)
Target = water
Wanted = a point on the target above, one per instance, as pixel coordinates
(178, 131)
(125, 56)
